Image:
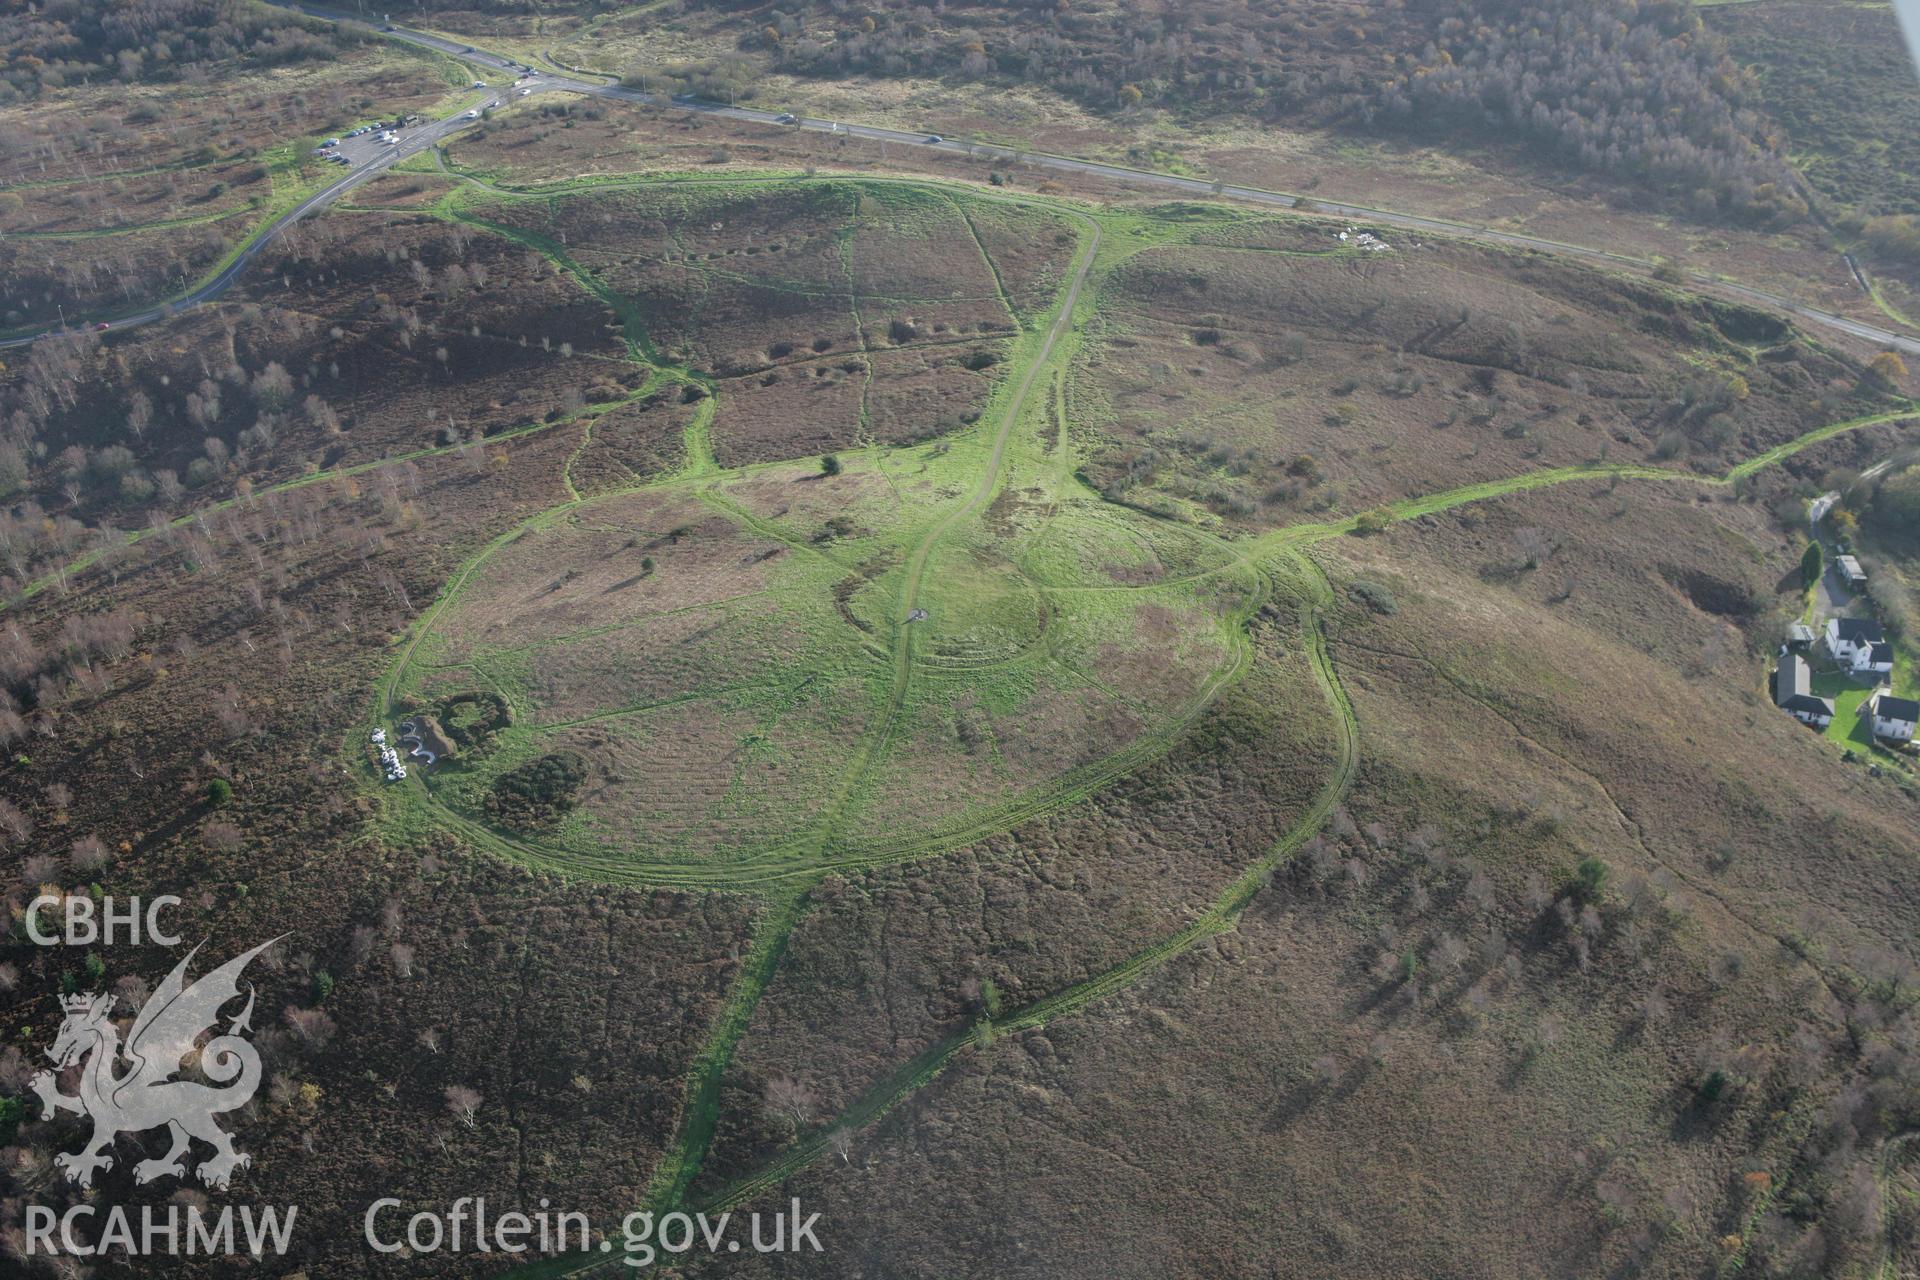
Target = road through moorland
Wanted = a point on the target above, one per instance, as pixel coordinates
(542, 81)
(412, 141)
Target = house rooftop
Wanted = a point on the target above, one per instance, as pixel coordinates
(1881, 653)
(1791, 679)
(1888, 707)
(1858, 630)
(1807, 704)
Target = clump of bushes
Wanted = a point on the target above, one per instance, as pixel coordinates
(1375, 596)
(469, 720)
(537, 794)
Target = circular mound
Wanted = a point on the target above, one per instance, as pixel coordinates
(980, 611)
(724, 691)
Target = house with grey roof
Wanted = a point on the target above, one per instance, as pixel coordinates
(1894, 719)
(1793, 692)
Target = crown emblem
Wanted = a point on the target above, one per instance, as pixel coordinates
(78, 1004)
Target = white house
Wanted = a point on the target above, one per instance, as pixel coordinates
(1893, 718)
(1859, 645)
(1792, 693)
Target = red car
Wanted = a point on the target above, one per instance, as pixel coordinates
(100, 326)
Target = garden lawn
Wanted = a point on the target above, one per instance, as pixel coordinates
(1847, 728)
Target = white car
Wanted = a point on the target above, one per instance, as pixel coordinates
(473, 115)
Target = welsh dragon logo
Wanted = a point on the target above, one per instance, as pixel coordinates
(143, 1096)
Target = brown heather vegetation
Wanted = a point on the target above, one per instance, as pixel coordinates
(236, 649)
(888, 963)
(1270, 377)
(1600, 966)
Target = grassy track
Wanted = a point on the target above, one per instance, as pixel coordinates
(1220, 917)
(992, 473)
(701, 1114)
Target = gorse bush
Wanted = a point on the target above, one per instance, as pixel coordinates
(538, 793)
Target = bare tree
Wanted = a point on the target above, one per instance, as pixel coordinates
(1536, 546)
(311, 1027)
(139, 414)
(221, 837)
(1448, 954)
(14, 822)
(464, 1103)
(787, 1097)
(132, 990)
(90, 854)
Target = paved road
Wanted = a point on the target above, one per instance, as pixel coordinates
(549, 80)
(413, 140)
(1832, 597)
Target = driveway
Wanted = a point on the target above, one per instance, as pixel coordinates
(1831, 597)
